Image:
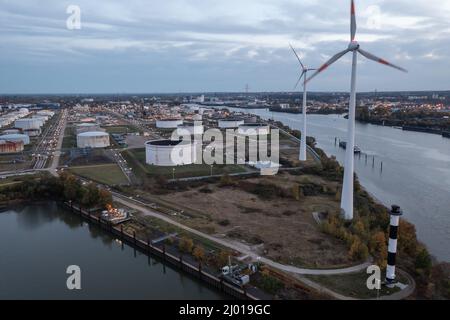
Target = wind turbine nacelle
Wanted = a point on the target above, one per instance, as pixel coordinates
(354, 45)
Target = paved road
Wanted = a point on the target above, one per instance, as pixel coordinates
(57, 156)
(141, 206)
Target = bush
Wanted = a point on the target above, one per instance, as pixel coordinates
(224, 222)
(186, 244)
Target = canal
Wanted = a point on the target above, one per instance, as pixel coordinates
(415, 175)
(38, 243)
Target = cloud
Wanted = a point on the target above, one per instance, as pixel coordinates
(211, 38)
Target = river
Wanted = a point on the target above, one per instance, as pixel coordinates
(38, 242)
(415, 175)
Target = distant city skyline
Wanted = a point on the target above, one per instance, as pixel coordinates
(186, 46)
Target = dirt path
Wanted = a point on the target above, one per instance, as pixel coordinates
(140, 206)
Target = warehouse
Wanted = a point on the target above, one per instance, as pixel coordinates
(28, 123)
(168, 123)
(230, 123)
(254, 129)
(93, 139)
(16, 138)
(11, 146)
(169, 153)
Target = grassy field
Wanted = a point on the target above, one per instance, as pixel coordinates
(194, 170)
(70, 139)
(109, 174)
(121, 129)
(352, 285)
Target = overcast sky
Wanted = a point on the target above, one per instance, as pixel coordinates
(138, 46)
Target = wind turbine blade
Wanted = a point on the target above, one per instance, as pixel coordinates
(298, 58)
(352, 21)
(299, 79)
(379, 60)
(333, 59)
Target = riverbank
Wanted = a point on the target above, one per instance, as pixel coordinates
(49, 238)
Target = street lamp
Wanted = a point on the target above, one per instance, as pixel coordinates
(211, 169)
(173, 173)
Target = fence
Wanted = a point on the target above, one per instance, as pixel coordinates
(148, 248)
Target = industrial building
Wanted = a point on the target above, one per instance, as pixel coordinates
(168, 123)
(254, 129)
(230, 123)
(16, 138)
(93, 139)
(169, 152)
(7, 146)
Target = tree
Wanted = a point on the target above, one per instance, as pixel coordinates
(199, 253)
(358, 250)
(104, 198)
(378, 248)
(423, 262)
(186, 244)
(90, 196)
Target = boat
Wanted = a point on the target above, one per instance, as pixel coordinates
(343, 145)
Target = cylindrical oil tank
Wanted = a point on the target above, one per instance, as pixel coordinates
(16, 137)
(11, 146)
(230, 123)
(190, 128)
(28, 123)
(11, 131)
(168, 123)
(168, 153)
(93, 139)
(32, 132)
(86, 127)
(254, 129)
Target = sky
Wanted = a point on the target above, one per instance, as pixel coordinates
(157, 46)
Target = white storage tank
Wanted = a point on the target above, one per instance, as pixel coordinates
(169, 153)
(93, 139)
(28, 123)
(43, 119)
(192, 128)
(32, 132)
(24, 111)
(254, 129)
(230, 123)
(11, 131)
(16, 137)
(86, 127)
(168, 123)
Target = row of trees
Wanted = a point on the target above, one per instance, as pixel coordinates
(65, 187)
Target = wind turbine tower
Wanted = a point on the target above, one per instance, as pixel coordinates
(354, 48)
(302, 155)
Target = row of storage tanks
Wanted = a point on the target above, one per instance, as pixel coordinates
(90, 135)
(13, 140)
(168, 152)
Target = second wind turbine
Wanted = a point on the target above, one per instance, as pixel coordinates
(302, 156)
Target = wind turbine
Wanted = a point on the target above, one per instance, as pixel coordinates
(354, 47)
(302, 156)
